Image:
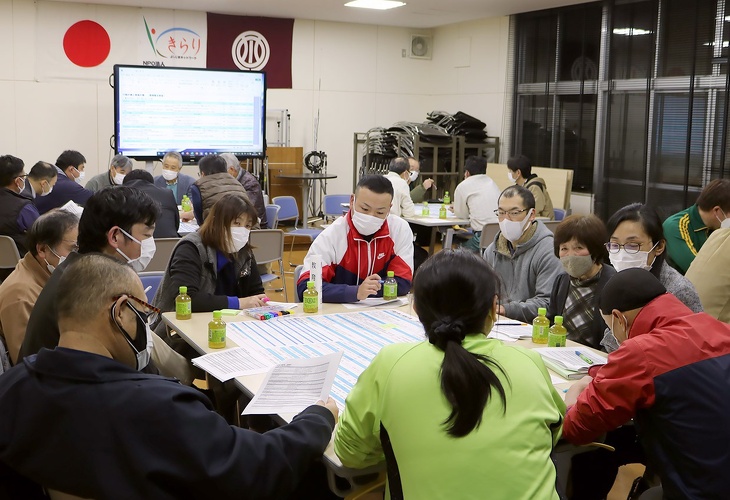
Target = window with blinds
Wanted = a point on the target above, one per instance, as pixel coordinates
(631, 95)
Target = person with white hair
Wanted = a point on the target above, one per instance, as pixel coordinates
(118, 168)
(250, 183)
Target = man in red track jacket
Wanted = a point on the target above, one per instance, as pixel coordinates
(358, 250)
(672, 375)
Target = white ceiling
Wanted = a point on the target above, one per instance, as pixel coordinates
(416, 14)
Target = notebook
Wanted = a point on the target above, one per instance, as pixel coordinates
(570, 362)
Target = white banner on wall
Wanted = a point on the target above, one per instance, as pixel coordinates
(84, 42)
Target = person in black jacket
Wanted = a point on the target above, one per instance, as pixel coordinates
(98, 428)
(579, 243)
(169, 220)
(216, 263)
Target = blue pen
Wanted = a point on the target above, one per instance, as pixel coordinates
(584, 357)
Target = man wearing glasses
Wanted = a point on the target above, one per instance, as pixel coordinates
(118, 222)
(522, 253)
(17, 212)
(98, 428)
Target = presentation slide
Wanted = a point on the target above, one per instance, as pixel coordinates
(193, 111)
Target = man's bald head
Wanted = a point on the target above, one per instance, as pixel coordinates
(90, 284)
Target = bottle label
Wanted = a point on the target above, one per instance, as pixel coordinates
(556, 340)
(217, 335)
(311, 304)
(183, 308)
(390, 291)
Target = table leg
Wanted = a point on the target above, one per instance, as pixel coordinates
(432, 244)
(305, 202)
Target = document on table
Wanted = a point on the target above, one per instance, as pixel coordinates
(375, 302)
(571, 358)
(360, 335)
(292, 386)
(514, 331)
(235, 362)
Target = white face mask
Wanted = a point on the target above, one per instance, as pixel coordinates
(169, 175)
(60, 260)
(725, 223)
(43, 193)
(413, 176)
(510, 176)
(119, 178)
(22, 186)
(366, 224)
(513, 230)
(147, 251)
(80, 177)
(624, 260)
(239, 237)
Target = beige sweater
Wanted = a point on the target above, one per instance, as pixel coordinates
(710, 274)
(18, 294)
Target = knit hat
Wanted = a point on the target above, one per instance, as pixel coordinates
(630, 289)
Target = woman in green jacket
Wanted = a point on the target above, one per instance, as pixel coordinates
(460, 416)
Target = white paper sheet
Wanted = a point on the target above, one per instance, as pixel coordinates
(72, 207)
(514, 331)
(375, 302)
(360, 335)
(292, 386)
(567, 357)
(236, 362)
(501, 336)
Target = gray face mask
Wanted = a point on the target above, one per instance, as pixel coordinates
(577, 265)
(609, 342)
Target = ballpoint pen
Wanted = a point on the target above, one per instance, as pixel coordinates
(584, 357)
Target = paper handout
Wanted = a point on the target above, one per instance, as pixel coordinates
(293, 385)
(235, 362)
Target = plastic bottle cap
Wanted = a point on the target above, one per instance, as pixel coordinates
(183, 289)
(541, 311)
(310, 284)
(558, 320)
(216, 315)
(391, 274)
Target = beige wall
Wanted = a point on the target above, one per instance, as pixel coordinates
(353, 74)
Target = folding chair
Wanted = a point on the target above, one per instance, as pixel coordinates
(151, 279)
(333, 205)
(163, 252)
(559, 214)
(288, 210)
(9, 255)
(272, 216)
(268, 246)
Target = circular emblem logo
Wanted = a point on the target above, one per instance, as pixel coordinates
(86, 44)
(250, 50)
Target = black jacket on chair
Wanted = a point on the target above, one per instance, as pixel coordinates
(169, 219)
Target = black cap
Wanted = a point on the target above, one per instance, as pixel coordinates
(630, 289)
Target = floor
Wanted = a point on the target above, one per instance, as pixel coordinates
(626, 474)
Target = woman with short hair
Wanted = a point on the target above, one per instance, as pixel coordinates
(579, 244)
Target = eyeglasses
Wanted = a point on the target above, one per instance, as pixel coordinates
(511, 213)
(74, 245)
(614, 247)
(151, 313)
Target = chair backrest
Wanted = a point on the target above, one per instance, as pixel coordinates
(152, 280)
(288, 208)
(297, 273)
(559, 214)
(163, 252)
(267, 245)
(9, 255)
(333, 204)
(489, 231)
(551, 224)
(272, 216)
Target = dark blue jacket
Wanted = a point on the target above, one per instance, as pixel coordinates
(92, 427)
(64, 191)
(183, 184)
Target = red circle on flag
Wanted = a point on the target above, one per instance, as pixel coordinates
(86, 44)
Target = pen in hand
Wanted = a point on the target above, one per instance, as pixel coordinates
(584, 357)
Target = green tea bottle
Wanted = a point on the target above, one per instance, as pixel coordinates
(310, 298)
(183, 304)
(217, 332)
(390, 287)
(540, 327)
(558, 335)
